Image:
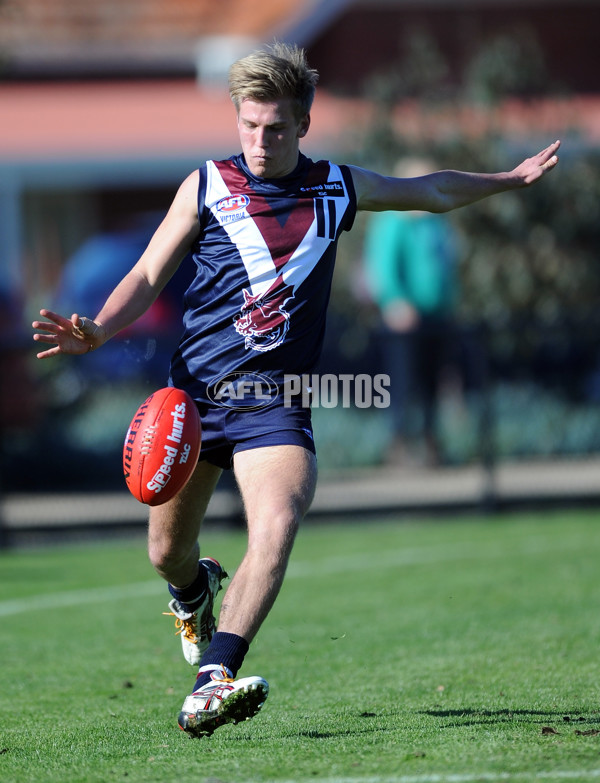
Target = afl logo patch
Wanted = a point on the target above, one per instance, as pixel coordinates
(233, 203)
(243, 391)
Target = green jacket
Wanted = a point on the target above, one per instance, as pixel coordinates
(412, 257)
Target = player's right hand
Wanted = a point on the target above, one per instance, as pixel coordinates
(73, 335)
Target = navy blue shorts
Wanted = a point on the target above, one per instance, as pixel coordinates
(226, 431)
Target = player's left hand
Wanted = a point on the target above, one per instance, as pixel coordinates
(533, 168)
(73, 335)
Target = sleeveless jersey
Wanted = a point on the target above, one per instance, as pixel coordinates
(264, 263)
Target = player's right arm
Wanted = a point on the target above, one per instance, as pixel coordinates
(137, 290)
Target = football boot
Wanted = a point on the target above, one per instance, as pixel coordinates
(197, 628)
(222, 700)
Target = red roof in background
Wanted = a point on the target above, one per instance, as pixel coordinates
(96, 120)
(104, 119)
(26, 23)
(173, 118)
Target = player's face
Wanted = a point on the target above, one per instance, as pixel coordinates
(270, 135)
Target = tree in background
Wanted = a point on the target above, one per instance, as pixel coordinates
(525, 255)
(529, 275)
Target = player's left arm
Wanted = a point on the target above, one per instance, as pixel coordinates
(443, 191)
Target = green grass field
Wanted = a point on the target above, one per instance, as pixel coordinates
(431, 652)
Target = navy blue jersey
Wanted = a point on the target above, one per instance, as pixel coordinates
(264, 263)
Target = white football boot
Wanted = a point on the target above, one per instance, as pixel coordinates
(222, 700)
(197, 628)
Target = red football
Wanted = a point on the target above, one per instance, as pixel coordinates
(162, 446)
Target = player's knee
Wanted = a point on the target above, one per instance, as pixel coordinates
(274, 538)
(165, 554)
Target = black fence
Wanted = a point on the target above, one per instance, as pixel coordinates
(520, 391)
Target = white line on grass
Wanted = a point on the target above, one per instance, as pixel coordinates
(439, 553)
(92, 595)
(482, 777)
(297, 570)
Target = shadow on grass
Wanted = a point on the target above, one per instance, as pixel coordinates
(474, 717)
(371, 725)
(389, 721)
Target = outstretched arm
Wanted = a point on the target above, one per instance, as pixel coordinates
(136, 291)
(443, 191)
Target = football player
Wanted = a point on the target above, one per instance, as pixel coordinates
(262, 227)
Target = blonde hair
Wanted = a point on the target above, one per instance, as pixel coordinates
(277, 71)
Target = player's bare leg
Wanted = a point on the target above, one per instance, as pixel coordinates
(277, 485)
(174, 552)
(173, 527)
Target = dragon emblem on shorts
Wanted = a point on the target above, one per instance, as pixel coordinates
(263, 320)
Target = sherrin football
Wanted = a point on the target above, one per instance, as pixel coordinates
(162, 446)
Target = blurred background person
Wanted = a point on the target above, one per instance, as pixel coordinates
(411, 273)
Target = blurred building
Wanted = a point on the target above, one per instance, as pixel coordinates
(56, 39)
(101, 101)
(106, 107)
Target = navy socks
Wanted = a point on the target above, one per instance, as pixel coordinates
(191, 597)
(225, 649)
